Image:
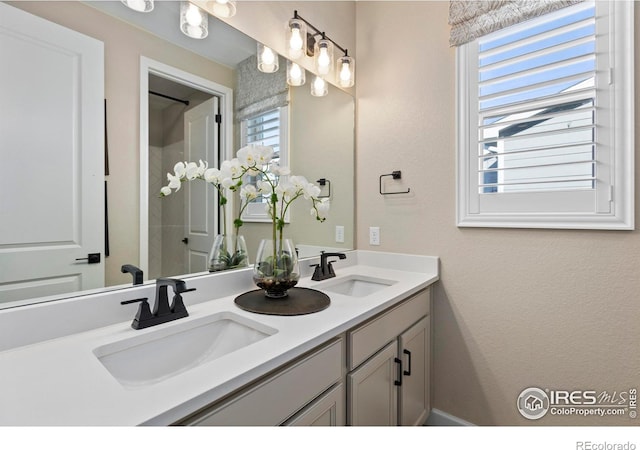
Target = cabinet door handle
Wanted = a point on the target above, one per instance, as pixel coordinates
(408, 353)
(398, 382)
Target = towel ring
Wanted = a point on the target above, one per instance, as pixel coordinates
(396, 175)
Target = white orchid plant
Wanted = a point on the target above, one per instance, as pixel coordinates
(276, 183)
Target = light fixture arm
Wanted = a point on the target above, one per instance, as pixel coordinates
(318, 32)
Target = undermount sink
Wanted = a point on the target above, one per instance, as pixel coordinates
(160, 354)
(357, 285)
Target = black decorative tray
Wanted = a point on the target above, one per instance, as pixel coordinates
(299, 301)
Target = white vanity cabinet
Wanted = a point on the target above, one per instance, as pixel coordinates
(389, 359)
(386, 360)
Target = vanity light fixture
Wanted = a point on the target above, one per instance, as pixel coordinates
(295, 74)
(300, 41)
(194, 22)
(139, 5)
(222, 8)
(267, 59)
(319, 87)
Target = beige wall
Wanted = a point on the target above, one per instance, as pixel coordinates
(514, 308)
(124, 45)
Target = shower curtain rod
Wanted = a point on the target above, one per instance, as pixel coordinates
(186, 102)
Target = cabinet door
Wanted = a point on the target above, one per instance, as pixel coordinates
(372, 390)
(326, 411)
(414, 350)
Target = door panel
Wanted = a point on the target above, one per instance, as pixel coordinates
(372, 390)
(52, 155)
(414, 392)
(201, 143)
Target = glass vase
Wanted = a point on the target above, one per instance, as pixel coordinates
(228, 252)
(276, 269)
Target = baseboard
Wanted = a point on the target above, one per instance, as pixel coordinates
(439, 418)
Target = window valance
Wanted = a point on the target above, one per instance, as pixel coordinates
(470, 19)
(257, 92)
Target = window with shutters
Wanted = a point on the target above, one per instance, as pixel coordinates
(269, 129)
(545, 122)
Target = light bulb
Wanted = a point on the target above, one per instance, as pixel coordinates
(223, 8)
(193, 16)
(319, 87)
(139, 5)
(295, 74)
(267, 56)
(295, 38)
(346, 71)
(323, 59)
(193, 21)
(267, 59)
(296, 42)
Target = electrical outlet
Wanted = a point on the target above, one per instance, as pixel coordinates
(374, 235)
(339, 234)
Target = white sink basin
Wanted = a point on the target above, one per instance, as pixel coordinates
(356, 285)
(160, 354)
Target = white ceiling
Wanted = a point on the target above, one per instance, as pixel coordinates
(224, 44)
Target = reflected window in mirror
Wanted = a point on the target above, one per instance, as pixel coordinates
(269, 128)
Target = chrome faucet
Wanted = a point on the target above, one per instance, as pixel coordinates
(162, 311)
(324, 270)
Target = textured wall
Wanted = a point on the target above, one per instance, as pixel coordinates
(514, 308)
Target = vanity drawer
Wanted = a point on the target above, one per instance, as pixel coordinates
(272, 401)
(367, 339)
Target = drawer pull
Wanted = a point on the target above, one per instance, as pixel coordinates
(398, 382)
(408, 353)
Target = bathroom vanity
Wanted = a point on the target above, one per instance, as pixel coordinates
(363, 360)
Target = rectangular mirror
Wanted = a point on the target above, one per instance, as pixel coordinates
(320, 133)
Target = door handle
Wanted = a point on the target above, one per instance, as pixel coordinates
(92, 258)
(185, 240)
(408, 353)
(398, 382)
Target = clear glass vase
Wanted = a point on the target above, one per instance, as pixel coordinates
(276, 269)
(228, 252)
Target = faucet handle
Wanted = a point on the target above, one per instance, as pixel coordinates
(143, 314)
(317, 273)
(177, 305)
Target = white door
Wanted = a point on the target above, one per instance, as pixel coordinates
(51, 156)
(201, 143)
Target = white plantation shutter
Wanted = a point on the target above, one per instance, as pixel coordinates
(269, 128)
(538, 106)
(264, 129)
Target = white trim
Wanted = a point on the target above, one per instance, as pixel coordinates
(439, 418)
(470, 211)
(225, 93)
